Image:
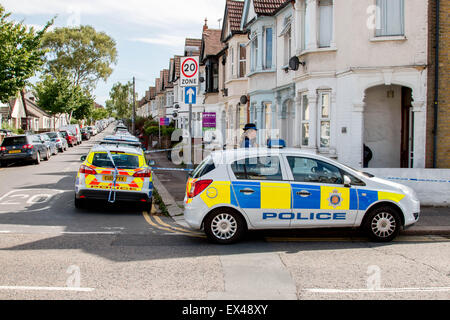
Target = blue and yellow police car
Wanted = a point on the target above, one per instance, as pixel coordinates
(233, 191)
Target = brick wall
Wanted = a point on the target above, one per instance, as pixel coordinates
(443, 130)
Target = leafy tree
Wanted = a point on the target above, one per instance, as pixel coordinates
(98, 114)
(87, 55)
(57, 95)
(21, 54)
(121, 100)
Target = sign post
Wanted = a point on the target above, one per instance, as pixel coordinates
(189, 80)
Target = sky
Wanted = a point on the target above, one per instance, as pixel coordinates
(147, 32)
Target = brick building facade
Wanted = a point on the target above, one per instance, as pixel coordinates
(443, 115)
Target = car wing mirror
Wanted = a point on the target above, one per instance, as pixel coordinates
(347, 181)
(151, 163)
(83, 158)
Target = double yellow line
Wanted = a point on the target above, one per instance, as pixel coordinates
(158, 223)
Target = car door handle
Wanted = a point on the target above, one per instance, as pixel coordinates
(303, 193)
(247, 191)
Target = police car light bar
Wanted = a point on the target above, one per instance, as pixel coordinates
(276, 143)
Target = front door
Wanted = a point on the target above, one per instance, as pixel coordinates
(319, 198)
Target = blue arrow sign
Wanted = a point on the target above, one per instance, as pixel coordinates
(190, 95)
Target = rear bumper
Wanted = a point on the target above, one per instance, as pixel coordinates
(120, 195)
(18, 156)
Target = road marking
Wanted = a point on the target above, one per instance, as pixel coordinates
(356, 239)
(158, 220)
(381, 290)
(166, 227)
(47, 288)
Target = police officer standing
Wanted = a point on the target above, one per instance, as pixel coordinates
(248, 138)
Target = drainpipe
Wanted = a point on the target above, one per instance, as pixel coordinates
(436, 87)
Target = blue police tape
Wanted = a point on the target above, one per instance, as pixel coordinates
(416, 179)
(172, 169)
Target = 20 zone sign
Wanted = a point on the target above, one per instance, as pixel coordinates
(189, 71)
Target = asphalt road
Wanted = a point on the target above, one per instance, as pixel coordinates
(50, 250)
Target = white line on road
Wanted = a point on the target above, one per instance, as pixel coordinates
(381, 290)
(46, 288)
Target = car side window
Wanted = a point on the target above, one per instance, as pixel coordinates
(312, 170)
(258, 168)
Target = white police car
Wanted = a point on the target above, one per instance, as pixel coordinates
(232, 191)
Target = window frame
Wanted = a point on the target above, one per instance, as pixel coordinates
(292, 177)
(303, 120)
(324, 119)
(330, 3)
(242, 71)
(243, 161)
(265, 45)
(382, 23)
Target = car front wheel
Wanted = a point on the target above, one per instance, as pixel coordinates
(224, 226)
(383, 224)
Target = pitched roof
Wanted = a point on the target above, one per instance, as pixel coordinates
(268, 7)
(211, 44)
(192, 47)
(235, 10)
(166, 83)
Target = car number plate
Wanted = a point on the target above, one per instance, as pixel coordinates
(118, 179)
(15, 151)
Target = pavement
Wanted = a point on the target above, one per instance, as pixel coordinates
(171, 187)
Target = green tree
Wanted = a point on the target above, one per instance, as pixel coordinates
(57, 94)
(84, 53)
(98, 114)
(21, 54)
(121, 100)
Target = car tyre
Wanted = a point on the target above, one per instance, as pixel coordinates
(47, 155)
(382, 224)
(224, 226)
(38, 158)
(147, 206)
(79, 203)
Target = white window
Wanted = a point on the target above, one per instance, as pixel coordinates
(268, 48)
(324, 119)
(286, 33)
(305, 120)
(254, 52)
(232, 62)
(325, 23)
(305, 26)
(242, 60)
(390, 18)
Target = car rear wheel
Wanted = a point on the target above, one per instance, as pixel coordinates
(79, 203)
(47, 155)
(224, 226)
(38, 158)
(383, 224)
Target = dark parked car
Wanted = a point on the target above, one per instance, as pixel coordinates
(7, 133)
(23, 148)
(85, 134)
(70, 137)
(51, 145)
(59, 140)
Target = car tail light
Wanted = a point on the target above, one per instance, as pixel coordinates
(2, 148)
(86, 170)
(146, 173)
(58, 140)
(197, 187)
(28, 146)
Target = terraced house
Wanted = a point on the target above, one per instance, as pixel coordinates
(338, 78)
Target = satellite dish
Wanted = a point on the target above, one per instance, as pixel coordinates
(294, 63)
(175, 114)
(243, 100)
(177, 106)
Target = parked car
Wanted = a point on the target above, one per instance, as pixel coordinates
(23, 148)
(51, 145)
(92, 130)
(85, 135)
(59, 140)
(75, 130)
(7, 133)
(71, 139)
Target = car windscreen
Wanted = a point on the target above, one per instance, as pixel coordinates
(64, 134)
(121, 160)
(14, 141)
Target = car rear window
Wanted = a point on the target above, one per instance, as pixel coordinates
(121, 160)
(205, 167)
(14, 141)
(52, 135)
